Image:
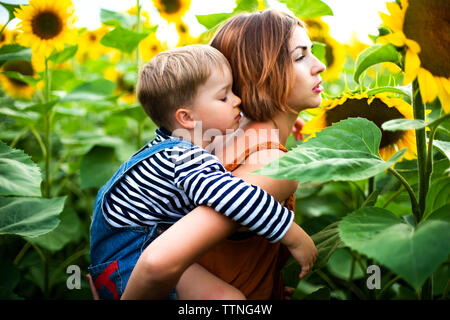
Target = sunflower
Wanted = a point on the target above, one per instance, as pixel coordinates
(124, 85)
(89, 46)
(184, 34)
(46, 25)
(172, 10)
(335, 57)
(423, 28)
(5, 37)
(144, 16)
(14, 87)
(377, 108)
(151, 46)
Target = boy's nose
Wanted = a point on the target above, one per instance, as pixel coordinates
(236, 100)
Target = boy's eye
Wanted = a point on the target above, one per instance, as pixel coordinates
(224, 99)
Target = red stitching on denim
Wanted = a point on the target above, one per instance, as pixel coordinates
(104, 280)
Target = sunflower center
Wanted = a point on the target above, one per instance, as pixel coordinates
(182, 28)
(378, 112)
(171, 6)
(46, 25)
(428, 23)
(20, 66)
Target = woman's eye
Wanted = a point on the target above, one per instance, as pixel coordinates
(299, 58)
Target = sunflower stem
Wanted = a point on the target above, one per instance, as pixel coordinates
(424, 180)
(138, 29)
(47, 131)
(414, 205)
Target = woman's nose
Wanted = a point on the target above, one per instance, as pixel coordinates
(318, 67)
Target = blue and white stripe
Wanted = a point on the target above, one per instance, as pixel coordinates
(171, 183)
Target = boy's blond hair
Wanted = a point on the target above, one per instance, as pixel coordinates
(171, 79)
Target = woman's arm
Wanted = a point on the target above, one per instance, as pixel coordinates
(279, 189)
(162, 263)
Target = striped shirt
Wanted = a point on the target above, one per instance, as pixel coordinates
(172, 182)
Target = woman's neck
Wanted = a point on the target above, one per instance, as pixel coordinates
(283, 122)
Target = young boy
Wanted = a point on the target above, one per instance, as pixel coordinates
(182, 90)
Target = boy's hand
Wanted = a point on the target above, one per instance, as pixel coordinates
(301, 247)
(297, 128)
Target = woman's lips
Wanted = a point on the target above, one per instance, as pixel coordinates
(239, 116)
(318, 88)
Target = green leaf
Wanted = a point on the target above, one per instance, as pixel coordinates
(245, 5)
(209, 21)
(21, 115)
(29, 217)
(403, 124)
(18, 76)
(319, 50)
(340, 264)
(135, 112)
(373, 55)
(68, 230)
(438, 195)
(10, 7)
(442, 146)
(117, 19)
(97, 166)
(123, 39)
(307, 9)
(411, 252)
(346, 151)
(91, 91)
(19, 175)
(64, 55)
(14, 52)
(403, 91)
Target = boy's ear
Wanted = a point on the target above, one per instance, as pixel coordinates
(185, 118)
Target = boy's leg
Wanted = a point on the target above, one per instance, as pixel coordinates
(197, 283)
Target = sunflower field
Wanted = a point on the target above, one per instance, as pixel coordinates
(373, 170)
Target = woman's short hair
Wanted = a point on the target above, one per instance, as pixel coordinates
(257, 47)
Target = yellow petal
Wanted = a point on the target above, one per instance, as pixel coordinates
(397, 39)
(427, 85)
(413, 45)
(444, 94)
(390, 22)
(412, 64)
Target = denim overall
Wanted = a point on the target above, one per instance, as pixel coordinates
(115, 251)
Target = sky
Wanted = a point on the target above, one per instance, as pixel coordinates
(350, 16)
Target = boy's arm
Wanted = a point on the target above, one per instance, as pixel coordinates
(206, 182)
(279, 189)
(162, 263)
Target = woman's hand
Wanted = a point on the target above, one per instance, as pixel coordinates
(297, 128)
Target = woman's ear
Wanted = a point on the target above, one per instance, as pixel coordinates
(185, 118)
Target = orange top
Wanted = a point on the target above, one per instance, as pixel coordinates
(252, 264)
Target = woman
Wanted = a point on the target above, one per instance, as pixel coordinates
(276, 76)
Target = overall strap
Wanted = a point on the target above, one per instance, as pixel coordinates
(289, 203)
(143, 154)
(261, 146)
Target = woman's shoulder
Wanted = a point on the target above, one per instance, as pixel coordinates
(257, 141)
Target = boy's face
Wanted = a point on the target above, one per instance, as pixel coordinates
(215, 105)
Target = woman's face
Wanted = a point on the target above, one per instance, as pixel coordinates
(306, 89)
